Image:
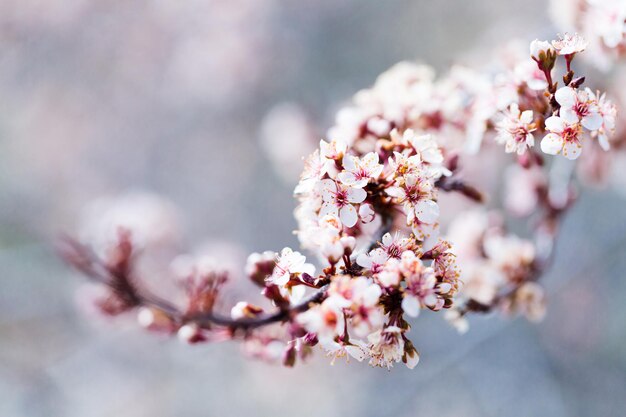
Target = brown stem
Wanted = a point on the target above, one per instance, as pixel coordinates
(454, 184)
(86, 261)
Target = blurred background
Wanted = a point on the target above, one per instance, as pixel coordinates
(193, 100)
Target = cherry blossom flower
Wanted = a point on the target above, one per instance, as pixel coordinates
(354, 348)
(386, 347)
(420, 285)
(427, 153)
(358, 171)
(288, 263)
(395, 245)
(326, 320)
(312, 173)
(569, 44)
(515, 130)
(365, 313)
(390, 275)
(608, 112)
(563, 138)
(579, 106)
(339, 200)
(416, 195)
(529, 300)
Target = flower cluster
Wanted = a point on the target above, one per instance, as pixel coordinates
(373, 201)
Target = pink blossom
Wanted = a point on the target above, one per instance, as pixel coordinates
(339, 200)
(358, 171)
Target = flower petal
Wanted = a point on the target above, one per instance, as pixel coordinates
(427, 211)
(552, 144)
(568, 115)
(347, 177)
(592, 121)
(572, 150)
(411, 305)
(356, 195)
(329, 208)
(348, 215)
(565, 96)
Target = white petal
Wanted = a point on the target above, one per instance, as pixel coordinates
(329, 208)
(572, 150)
(347, 177)
(552, 144)
(568, 115)
(412, 361)
(370, 161)
(555, 124)
(366, 213)
(565, 96)
(526, 117)
(281, 278)
(348, 215)
(592, 121)
(349, 163)
(297, 294)
(604, 142)
(356, 195)
(387, 239)
(364, 260)
(356, 352)
(371, 295)
(327, 186)
(411, 305)
(427, 211)
(396, 192)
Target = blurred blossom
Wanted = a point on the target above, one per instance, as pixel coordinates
(521, 186)
(287, 136)
(150, 220)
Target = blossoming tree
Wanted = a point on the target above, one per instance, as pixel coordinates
(370, 206)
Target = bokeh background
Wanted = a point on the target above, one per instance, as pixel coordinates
(184, 99)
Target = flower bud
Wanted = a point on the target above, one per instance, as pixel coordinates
(191, 333)
(244, 310)
(543, 53)
(259, 266)
(153, 319)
